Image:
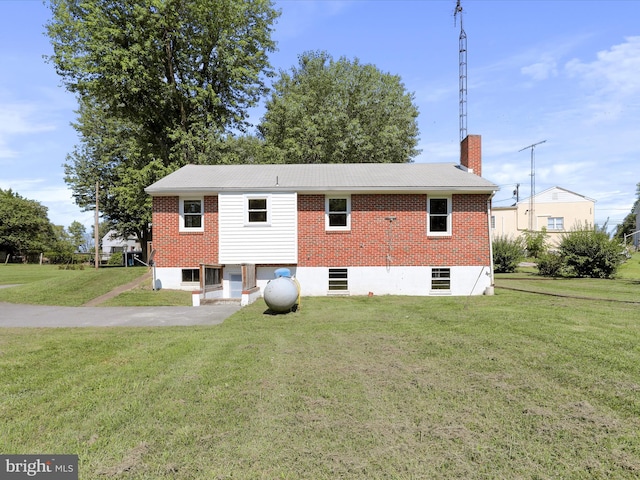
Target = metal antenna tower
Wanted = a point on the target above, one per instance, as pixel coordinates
(462, 61)
(532, 201)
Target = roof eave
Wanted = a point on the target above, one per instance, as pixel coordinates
(164, 192)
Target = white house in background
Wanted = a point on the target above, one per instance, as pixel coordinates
(113, 243)
(556, 209)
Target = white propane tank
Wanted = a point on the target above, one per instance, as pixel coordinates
(281, 294)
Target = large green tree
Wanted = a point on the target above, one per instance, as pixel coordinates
(159, 84)
(24, 225)
(340, 111)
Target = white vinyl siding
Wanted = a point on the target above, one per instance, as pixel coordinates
(244, 242)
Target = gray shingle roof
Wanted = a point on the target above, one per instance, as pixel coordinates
(360, 177)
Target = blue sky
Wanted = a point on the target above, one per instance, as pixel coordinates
(566, 72)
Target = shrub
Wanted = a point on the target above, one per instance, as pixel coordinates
(536, 242)
(116, 259)
(589, 252)
(551, 264)
(507, 253)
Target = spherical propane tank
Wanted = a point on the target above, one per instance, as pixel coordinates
(281, 294)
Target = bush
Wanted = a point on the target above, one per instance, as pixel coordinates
(551, 264)
(507, 254)
(536, 242)
(588, 252)
(116, 260)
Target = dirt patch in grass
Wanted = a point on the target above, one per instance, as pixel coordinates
(131, 461)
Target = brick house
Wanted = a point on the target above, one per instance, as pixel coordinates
(401, 229)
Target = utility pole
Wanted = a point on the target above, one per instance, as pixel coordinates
(532, 201)
(96, 224)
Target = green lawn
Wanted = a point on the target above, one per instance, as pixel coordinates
(50, 285)
(516, 385)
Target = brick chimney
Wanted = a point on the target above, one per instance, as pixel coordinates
(471, 154)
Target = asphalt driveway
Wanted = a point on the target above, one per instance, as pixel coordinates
(14, 315)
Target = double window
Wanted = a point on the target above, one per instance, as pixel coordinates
(555, 223)
(191, 215)
(190, 275)
(439, 212)
(338, 213)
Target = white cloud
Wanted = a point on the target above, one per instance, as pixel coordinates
(61, 208)
(542, 70)
(19, 119)
(612, 80)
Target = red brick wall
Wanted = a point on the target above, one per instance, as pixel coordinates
(184, 249)
(471, 153)
(372, 238)
(368, 243)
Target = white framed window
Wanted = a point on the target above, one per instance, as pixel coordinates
(441, 279)
(555, 223)
(257, 210)
(338, 213)
(192, 214)
(439, 216)
(338, 280)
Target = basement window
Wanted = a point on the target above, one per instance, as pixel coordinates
(441, 279)
(338, 280)
(191, 275)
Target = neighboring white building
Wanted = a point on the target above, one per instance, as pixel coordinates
(556, 209)
(113, 243)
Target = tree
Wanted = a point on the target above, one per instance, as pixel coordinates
(628, 225)
(159, 83)
(78, 237)
(24, 225)
(327, 111)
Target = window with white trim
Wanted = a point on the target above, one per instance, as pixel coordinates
(441, 279)
(191, 214)
(257, 210)
(555, 223)
(439, 213)
(338, 213)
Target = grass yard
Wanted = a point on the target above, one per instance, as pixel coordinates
(517, 385)
(49, 285)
